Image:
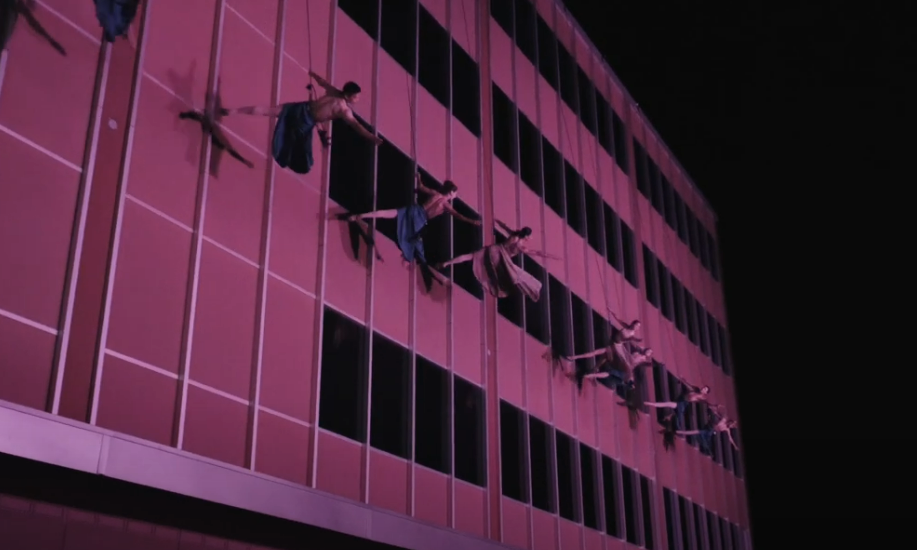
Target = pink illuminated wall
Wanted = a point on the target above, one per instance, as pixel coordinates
(156, 287)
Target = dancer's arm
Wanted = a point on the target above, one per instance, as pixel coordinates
(324, 83)
(731, 440)
(355, 124)
(541, 254)
(595, 353)
(457, 260)
(255, 111)
(507, 229)
(458, 216)
(421, 187)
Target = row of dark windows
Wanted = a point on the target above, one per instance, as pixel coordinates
(553, 472)
(424, 48)
(690, 527)
(665, 292)
(668, 387)
(534, 38)
(542, 168)
(666, 200)
(451, 409)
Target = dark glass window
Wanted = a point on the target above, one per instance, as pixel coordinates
(541, 436)
(714, 339)
(466, 93)
(432, 430)
(396, 186)
(603, 121)
(713, 256)
(681, 217)
(553, 177)
(685, 521)
(702, 329)
(646, 490)
(665, 293)
(468, 409)
(566, 476)
(650, 277)
(671, 520)
(390, 413)
(630, 255)
(586, 100)
(613, 238)
(466, 239)
(642, 174)
(620, 139)
(502, 12)
(364, 14)
(435, 47)
(525, 29)
(678, 304)
(567, 77)
(561, 339)
(587, 458)
(655, 180)
(352, 159)
(574, 187)
(342, 408)
(504, 113)
(595, 226)
(536, 313)
(668, 197)
(713, 531)
(399, 32)
(631, 502)
(691, 317)
(529, 154)
(513, 445)
(610, 485)
(547, 53)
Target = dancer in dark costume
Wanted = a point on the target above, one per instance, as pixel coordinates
(494, 268)
(210, 125)
(10, 10)
(292, 143)
(116, 17)
(414, 218)
(616, 364)
(689, 394)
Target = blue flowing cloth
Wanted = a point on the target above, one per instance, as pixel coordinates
(292, 145)
(115, 16)
(411, 221)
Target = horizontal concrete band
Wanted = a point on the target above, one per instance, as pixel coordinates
(39, 436)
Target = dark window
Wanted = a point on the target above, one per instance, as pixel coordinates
(693, 235)
(432, 430)
(714, 339)
(536, 313)
(504, 128)
(513, 445)
(510, 306)
(650, 276)
(699, 527)
(437, 235)
(390, 414)
(736, 459)
(342, 408)
(702, 244)
(678, 304)
(725, 534)
(601, 330)
(529, 154)
(595, 228)
(586, 100)
(681, 217)
(365, 15)
(587, 482)
(399, 32)
(665, 292)
(603, 120)
(702, 329)
(737, 542)
(668, 195)
(567, 77)
(433, 73)
(352, 164)
(566, 476)
(574, 186)
(655, 180)
(467, 238)
(642, 173)
(713, 531)
(659, 389)
(620, 139)
(582, 321)
(542, 467)
(525, 28)
(468, 409)
(727, 451)
(396, 186)
(630, 489)
(724, 349)
(646, 498)
(630, 255)
(612, 238)
(716, 450)
(502, 12)
(691, 316)
(685, 522)
(610, 493)
(466, 93)
(714, 257)
(553, 177)
(671, 519)
(561, 339)
(547, 53)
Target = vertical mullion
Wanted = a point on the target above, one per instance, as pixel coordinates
(412, 293)
(312, 468)
(197, 242)
(370, 277)
(450, 305)
(77, 240)
(264, 275)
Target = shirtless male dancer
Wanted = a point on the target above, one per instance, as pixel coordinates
(722, 424)
(292, 144)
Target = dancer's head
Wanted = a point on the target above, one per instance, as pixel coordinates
(523, 234)
(450, 189)
(635, 325)
(705, 390)
(732, 424)
(351, 92)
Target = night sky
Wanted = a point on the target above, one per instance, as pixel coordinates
(790, 119)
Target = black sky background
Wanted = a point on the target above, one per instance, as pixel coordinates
(790, 120)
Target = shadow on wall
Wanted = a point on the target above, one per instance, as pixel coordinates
(10, 10)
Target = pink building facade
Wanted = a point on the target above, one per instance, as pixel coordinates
(200, 334)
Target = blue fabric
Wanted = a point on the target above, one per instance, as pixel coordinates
(292, 146)
(706, 438)
(615, 378)
(411, 221)
(680, 407)
(115, 16)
